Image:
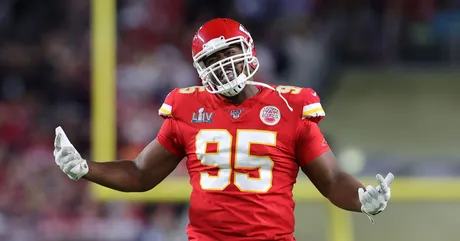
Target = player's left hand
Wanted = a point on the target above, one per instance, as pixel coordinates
(374, 199)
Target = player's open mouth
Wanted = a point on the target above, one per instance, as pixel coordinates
(227, 74)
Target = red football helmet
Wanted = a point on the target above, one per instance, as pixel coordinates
(216, 35)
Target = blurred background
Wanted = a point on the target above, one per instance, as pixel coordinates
(387, 71)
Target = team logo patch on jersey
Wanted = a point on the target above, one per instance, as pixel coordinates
(202, 116)
(270, 115)
(236, 113)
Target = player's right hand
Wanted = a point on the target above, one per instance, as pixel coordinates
(67, 157)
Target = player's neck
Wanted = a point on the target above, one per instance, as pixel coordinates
(248, 92)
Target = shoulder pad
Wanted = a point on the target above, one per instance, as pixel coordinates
(305, 98)
(167, 109)
(312, 107)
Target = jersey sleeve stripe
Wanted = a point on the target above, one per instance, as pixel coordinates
(165, 110)
(313, 110)
(312, 107)
(317, 110)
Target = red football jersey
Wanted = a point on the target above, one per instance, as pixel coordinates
(243, 160)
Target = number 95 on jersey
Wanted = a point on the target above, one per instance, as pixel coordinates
(244, 162)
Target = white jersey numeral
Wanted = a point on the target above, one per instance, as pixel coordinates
(221, 159)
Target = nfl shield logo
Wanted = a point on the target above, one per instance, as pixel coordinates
(235, 113)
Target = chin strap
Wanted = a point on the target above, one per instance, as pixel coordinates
(268, 86)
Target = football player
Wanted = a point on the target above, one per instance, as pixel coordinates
(245, 142)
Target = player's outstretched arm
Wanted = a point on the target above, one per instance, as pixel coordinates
(333, 183)
(345, 191)
(320, 165)
(152, 166)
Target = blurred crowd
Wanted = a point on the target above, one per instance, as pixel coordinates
(45, 82)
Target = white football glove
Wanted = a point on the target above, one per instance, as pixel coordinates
(374, 199)
(67, 157)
